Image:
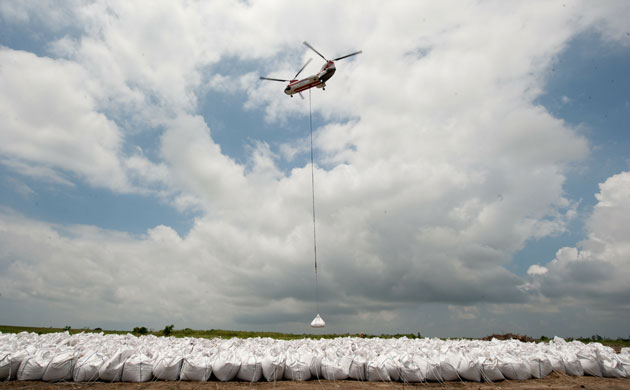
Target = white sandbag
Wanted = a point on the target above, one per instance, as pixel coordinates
(377, 370)
(138, 368)
(557, 363)
(448, 369)
(357, 368)
(297, 367)
(468, 369)
(434, 370)
(196, 368)
(15, 362)
(318, 322)
(316, 366)
(8, 365)
(573, 366)
(624, 360)
(558, 340)
(167, 368)
(393, 368)
(490, 370)
(589, 362)
(5, 365)
(60, 367)
(273, 367)
(413, 369)
(111, 370)
(251, 369)
(514, 368)
(51, 357)
(539, 366)
(226, 366)
(612, 367)
(334, 368)
(32, 367)
(87, 367)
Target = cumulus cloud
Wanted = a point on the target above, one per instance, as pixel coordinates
(104, 275)
(435, 164)
(596, 269)
(52, 128)
(536, 269)
(50, 120)
(55, 16)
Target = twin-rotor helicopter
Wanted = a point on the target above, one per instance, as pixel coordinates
(317, 80)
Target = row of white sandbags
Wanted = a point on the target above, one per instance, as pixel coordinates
(90, 357)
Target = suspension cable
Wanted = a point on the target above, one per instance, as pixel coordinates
(310, 118)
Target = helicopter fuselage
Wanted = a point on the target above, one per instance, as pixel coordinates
(317, 80)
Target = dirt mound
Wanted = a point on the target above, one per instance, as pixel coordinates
(509, 336)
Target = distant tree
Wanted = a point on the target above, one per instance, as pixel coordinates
(68, 327)
(98, 329)
(168, 329)
(140, 330)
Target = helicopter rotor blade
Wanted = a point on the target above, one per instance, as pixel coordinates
(302, 68)
(349, 55)
(272, 79)
(312, 48)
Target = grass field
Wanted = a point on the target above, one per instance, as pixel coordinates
(212, 333)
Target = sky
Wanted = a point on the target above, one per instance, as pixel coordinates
(472, 173)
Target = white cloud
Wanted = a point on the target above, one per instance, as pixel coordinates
(289, 150)
(434, 168)
(50, 121)
(536, 269)
(608, 17)
(596, 270)
(106, 274)
(460, 313)
(19, 187)
(49, 13)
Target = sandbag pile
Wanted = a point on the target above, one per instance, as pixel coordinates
(87, 357)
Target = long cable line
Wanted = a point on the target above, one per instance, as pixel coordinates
(310, 118)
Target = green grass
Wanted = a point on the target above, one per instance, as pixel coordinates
(18, 329)
(212, 333)
(614, 343)
(208, 334)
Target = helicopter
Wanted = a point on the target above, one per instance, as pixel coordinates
(317, 80)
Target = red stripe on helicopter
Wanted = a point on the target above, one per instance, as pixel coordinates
(307, 86)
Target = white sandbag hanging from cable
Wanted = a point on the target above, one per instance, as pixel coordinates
(317, 322)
